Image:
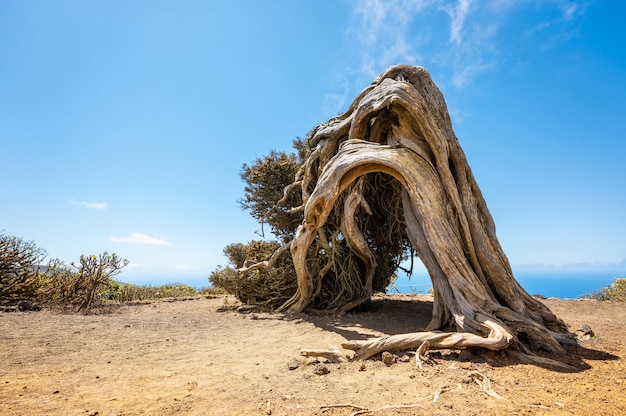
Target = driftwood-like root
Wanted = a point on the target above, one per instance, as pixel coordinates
(485, 384)
(364, 349)
(333, 354)
(388, 178)
(420, 354)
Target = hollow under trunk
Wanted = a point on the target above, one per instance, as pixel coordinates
(399, 128)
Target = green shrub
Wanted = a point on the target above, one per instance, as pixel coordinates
(127, 292)
(212, 291)
(616, 292)
(266, 286)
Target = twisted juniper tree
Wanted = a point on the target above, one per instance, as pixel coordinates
(384, 179)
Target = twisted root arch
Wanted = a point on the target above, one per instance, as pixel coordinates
(400, 126)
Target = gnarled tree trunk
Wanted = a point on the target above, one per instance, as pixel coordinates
(394, 151)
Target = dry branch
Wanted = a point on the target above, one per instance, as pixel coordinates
(485, 384)
(333, 354)
(420, 354)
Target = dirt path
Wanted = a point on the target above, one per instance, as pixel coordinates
(188, 357)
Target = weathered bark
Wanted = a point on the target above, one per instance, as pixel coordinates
(399, 126)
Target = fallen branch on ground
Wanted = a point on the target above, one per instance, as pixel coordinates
(420, 355)
(485, 384)
(333, 354)
(363, 410)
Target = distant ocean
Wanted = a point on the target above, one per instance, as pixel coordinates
(558, 284)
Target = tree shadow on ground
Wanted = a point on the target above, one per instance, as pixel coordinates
(385, 315)
(382, 315)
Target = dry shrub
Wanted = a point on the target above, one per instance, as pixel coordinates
(616, 292)
(267, 287)
(20, 279)
(127, 292)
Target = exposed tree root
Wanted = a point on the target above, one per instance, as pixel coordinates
(497, 340)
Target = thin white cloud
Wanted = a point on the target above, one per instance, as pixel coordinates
(459, 38)
(139, 238)
(465, 75)
(136, 266)
(91, 205)
(408, 31)
(559, 29)
(376, 15)
(383, 26)
(570, 11)
(457, 14)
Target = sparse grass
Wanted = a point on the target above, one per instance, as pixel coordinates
(616, 292)
(126, 292)
(213, 291)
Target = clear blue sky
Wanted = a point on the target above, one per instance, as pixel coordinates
(124, 124)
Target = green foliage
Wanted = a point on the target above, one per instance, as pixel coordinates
(212, 291)
(270, 196)
(269, 287)
(616, 292)
(20, 279)
(236, 254)
(385, 229)
(266, 180)
(127, 292)
(273, 194)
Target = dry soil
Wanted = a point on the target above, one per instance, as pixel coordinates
(201, 357)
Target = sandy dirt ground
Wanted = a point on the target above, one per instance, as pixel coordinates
(201, 357)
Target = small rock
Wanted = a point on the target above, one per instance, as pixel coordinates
(311, 361)
(585, 333)
(321, 369)
(293, 364)
(248, 308)
(388, 358)
(26, 306)
(404, 359)
(362, 367)
(586, 330)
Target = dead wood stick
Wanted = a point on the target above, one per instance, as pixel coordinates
(421, 352)
(485, 384)
(353, 406)
(387, 407)
(333, 354)
(441, 390)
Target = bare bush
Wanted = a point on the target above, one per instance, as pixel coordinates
(20, 278)
(80, 285)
